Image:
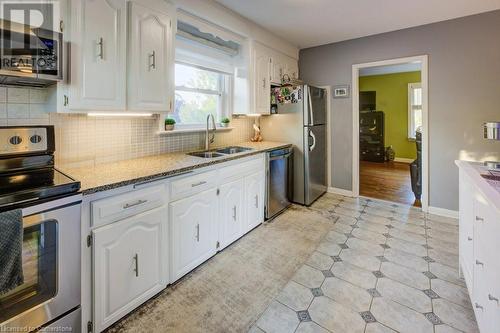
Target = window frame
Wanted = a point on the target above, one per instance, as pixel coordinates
(224, 92)
(411, 120)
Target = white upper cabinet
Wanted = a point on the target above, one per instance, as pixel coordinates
(150, 59)
(98, 55)
(262, 80)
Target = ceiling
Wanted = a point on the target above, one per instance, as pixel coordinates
(391, 69)
(308, 23)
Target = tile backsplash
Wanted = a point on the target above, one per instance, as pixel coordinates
(83, 140)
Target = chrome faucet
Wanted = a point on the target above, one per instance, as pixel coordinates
(211, 140)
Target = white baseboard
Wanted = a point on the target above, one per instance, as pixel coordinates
(340, 191)
(443, 212)
(403, 160)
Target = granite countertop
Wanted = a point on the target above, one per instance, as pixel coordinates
(108, 176)
(490, 188)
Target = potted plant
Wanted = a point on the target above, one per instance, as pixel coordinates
(169, 124)
(225, 122)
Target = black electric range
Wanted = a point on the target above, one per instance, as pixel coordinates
(27, 172)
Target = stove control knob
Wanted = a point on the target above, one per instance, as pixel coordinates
(15, 140)
(35, 138)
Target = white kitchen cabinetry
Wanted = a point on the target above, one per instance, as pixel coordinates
(231, 212)
(150, 59)
(129, 264)
(98, 55)
(254, 200)
(479, 247)
(193, 228)
(262, 80)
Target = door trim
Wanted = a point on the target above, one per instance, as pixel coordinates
(328, 135)
(423, 59)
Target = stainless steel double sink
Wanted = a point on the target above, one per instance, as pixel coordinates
(220, 152)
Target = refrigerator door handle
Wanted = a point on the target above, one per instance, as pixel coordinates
(311, 119)
(311, 147)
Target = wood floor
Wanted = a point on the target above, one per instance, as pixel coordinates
(387, 181)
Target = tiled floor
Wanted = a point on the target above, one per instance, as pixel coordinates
(382, 268)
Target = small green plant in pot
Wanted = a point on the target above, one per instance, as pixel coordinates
(225, 122)
(169, 124)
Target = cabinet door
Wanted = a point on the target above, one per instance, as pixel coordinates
(466, 230)
(279, 68)
(193, 223)
(262, 82)
(231, 212)
(129, 263)
(292, 69)
(98, 55)
(151, 61)
(254, 189)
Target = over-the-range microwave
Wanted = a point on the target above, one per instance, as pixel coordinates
(29, 56)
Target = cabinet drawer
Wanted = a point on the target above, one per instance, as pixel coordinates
(188, 185)
(242, 169)
(118, 207)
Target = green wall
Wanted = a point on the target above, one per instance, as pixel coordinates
(392, 98)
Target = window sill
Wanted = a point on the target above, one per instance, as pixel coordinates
(192, 130)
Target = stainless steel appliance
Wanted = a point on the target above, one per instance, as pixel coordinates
(50, 293)
(279, 182)
(301, 120)
(30, 56)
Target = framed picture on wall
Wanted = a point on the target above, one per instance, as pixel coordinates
(341, 91)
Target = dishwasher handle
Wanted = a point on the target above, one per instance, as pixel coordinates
(280, 157)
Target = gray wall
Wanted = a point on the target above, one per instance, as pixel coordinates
(464, 91)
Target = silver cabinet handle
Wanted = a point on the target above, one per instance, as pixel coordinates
(136, 269)
(478, 306)
(133, 204)
(198, 184)
(264, 83)
(101, 48)
(491, 298)
(153, 61)
(234, 213)
(65, 101)
(479, 263)
(256, 201)
(198, 232)
(480, 219)
(469, 238)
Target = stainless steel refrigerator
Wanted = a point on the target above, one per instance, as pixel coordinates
(303, 123)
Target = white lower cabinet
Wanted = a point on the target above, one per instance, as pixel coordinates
(254, 200)
(128, 263)
(479, 248)
(193, 228)
(231, 212)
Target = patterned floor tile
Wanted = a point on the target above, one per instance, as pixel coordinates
(255, 329)
(447, 236)
(342, 228)
(402, 294)
(347, 220)
(431, 316)
(455, 315)
(446, 273)
(451, 292)
(370, 236)
(310, 327)
(405, 275)
(409, 247)
(445, 258)
(329, 248)
(360, 259)
(364, 246)
(378, 328)
(295, 296)
(374, 227)
(406, 259)
(400, 317)
(355, 275)
(347, 212)
(439, 244)
(417, 229)
(335, 317)
(335, 237)
(320, 261)
(278, 319)
(408, 236)
(368, 317)
(309, 277)
(347, 294)
(375, 219)
(445, 329)
(442, 219)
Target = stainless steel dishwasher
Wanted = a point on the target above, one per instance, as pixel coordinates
(279, 181)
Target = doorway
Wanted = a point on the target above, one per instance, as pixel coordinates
(390, 136)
